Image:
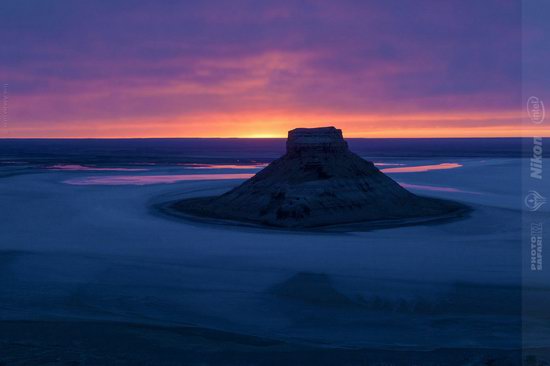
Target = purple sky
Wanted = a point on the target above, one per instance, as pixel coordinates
(258, 68)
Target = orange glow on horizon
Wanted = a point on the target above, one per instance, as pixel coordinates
(276, 125)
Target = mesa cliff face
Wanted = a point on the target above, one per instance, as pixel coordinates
(318, 182)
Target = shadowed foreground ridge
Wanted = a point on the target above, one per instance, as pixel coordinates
(318, 182)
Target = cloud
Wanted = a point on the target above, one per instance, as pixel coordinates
(103, 61)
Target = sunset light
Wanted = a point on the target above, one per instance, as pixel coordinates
(421, 72)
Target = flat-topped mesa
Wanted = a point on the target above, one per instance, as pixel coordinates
(315, 140)
(318, 182)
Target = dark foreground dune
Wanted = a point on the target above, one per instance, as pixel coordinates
(110, 343)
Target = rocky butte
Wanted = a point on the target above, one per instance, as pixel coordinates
(318, 182)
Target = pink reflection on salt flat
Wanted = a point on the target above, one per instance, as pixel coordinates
(388, 164)
(422, 168)
(77, 167)
(140, 180)
(222, 166)
(434, 188)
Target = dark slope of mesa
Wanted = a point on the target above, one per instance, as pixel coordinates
(318, 182)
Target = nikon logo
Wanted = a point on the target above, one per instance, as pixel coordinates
(536, 160)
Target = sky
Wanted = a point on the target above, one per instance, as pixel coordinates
(141, 68)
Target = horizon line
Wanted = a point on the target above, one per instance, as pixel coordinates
(259, 138)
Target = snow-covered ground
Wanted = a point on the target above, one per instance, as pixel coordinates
(88, 244)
